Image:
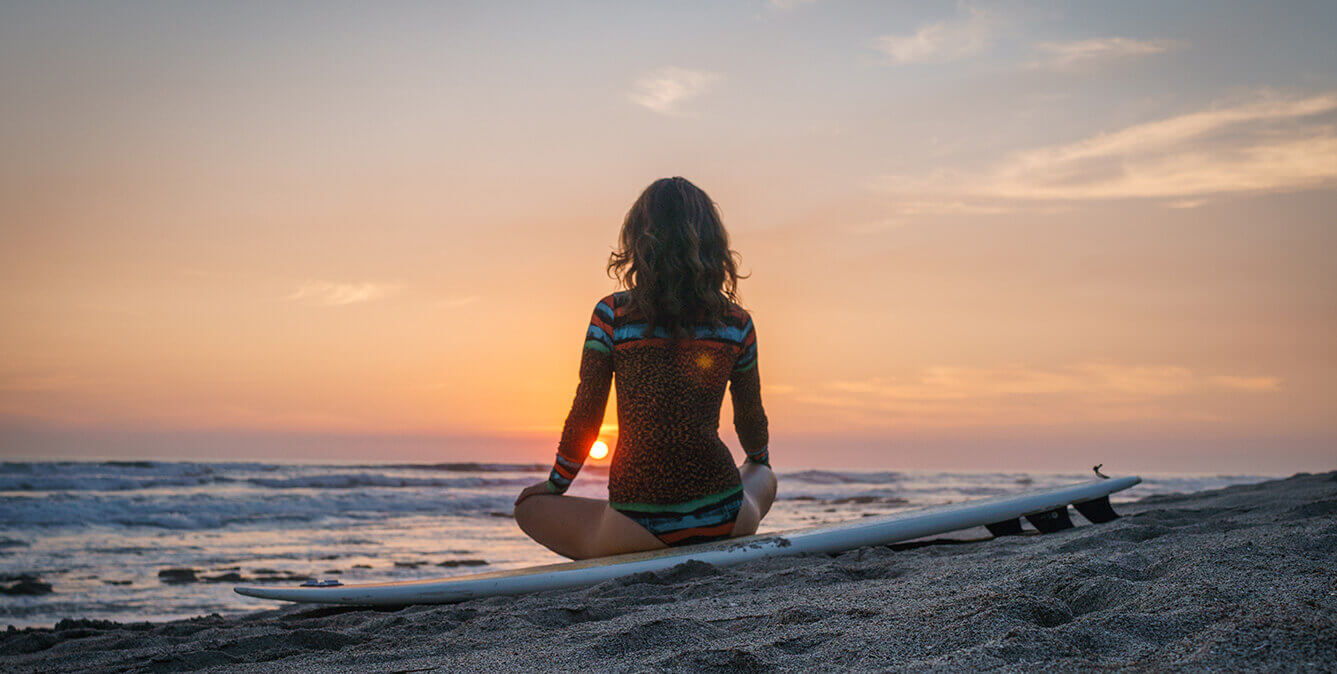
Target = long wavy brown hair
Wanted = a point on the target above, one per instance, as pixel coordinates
(674, 258)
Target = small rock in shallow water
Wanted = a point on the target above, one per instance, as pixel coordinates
(229, 577)
(29, 586)
(177, 576)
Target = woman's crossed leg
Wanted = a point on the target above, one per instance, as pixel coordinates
(583, 528)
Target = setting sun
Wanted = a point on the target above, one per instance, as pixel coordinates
(598, 450)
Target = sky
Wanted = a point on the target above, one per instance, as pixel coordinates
(981, 236)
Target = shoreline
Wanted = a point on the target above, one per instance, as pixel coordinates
(1234, 578)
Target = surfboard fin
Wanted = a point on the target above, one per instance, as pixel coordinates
(1098, 511)
(1010, 527)
(1050, 521)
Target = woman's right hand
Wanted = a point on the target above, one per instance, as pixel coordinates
(539, 489)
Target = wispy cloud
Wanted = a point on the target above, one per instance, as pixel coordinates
(1097, 50)
(329, 294)
(1028, 395)
(942, 41)
(665, 90)
(954, 383)
(1186, 203)
(948, 207)
(1269, 144)
(903, 212)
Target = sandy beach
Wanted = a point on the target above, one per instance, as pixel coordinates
(1240, 578)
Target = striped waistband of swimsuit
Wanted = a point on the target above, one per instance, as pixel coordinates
(686, 507)
(699, 521)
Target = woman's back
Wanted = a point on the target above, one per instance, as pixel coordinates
(669, 394)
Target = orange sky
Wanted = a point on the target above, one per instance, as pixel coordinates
(981, 235)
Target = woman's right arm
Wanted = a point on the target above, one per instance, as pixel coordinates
(749, 417)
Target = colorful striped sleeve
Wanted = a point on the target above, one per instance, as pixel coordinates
(749, 417)
(747, 357)
(599, 336)
(587, 410)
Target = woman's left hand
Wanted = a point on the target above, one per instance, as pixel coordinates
(539, 489)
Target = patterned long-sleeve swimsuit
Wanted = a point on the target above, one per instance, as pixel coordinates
(671, 473)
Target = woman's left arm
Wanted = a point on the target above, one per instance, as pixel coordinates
(587, 410)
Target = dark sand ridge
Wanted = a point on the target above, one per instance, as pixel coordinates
(1242, 578)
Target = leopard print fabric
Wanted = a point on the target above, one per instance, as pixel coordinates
(668, 406)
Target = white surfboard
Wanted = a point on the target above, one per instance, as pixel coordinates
(1039, 506)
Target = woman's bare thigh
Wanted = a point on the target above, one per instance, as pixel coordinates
(758, 494)
(581, 528)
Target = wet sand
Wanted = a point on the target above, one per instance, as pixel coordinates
(1242, 578)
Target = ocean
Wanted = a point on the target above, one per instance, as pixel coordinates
(147, 540)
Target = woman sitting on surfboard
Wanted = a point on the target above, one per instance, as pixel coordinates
(675, 338)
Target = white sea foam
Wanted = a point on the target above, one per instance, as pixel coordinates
(355, 480)
(208, 511)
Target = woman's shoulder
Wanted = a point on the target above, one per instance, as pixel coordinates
(615, 303)
(606, 307)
